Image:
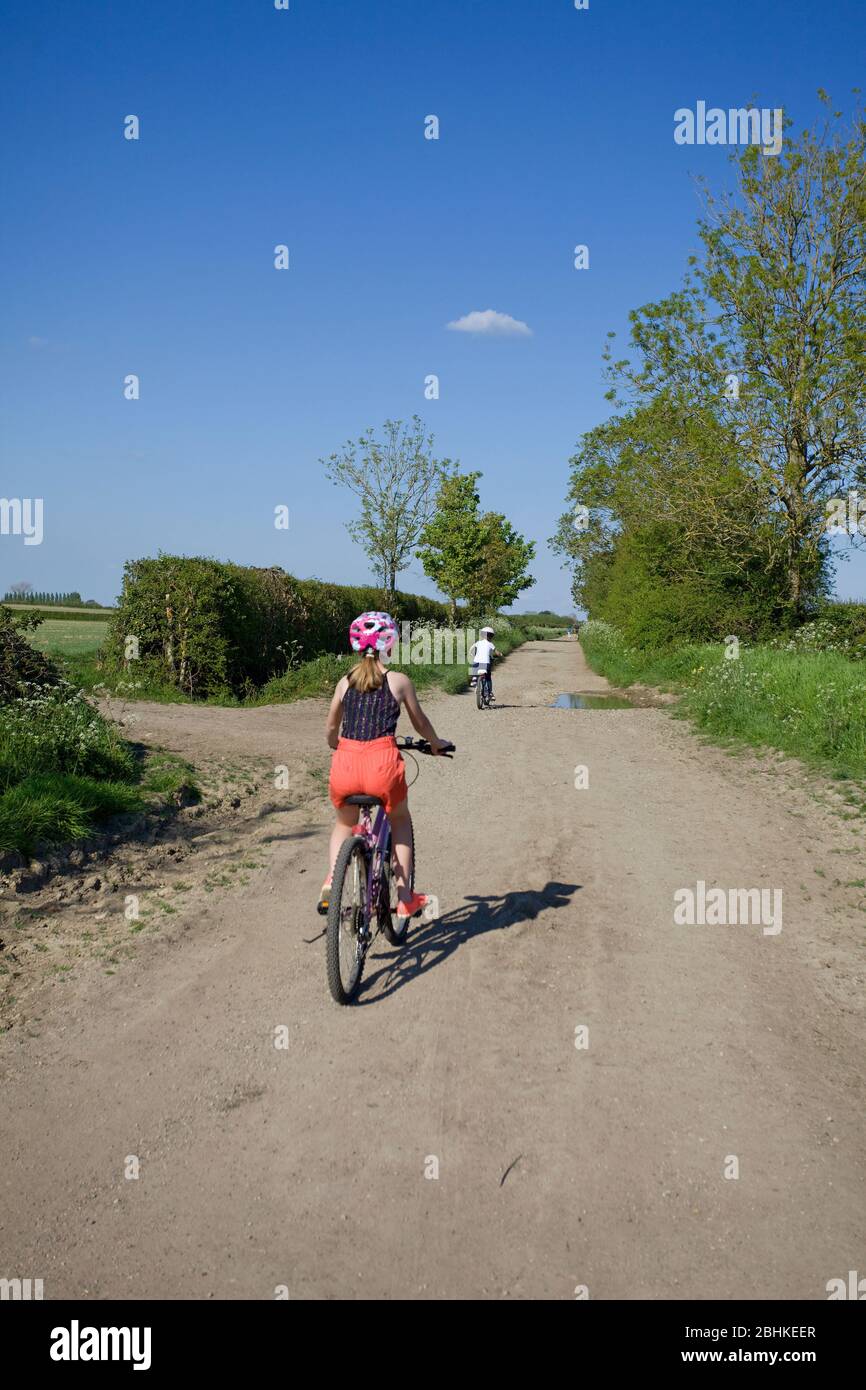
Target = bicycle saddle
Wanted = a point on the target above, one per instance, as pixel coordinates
(364, 801)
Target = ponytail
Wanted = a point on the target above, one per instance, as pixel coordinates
(365, 675)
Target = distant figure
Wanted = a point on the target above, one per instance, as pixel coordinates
(481, 658)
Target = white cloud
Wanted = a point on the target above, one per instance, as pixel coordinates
(35, 342)
(493, 324)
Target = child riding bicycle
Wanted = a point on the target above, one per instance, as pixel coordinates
(362, 722)
(481, 657)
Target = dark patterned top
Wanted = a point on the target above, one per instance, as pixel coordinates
(370, 714)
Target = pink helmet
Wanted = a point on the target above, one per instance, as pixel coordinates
(374, 632)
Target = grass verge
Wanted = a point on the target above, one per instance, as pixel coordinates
(811, 705)
(64, 769)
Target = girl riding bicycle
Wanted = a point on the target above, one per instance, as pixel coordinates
(367, 760)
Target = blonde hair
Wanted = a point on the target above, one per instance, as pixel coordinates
(366, 674)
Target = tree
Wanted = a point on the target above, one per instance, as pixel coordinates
(770, 326)
(452, 542)
(503, 573)
(472, 556)
(395, 481)
(670, 535)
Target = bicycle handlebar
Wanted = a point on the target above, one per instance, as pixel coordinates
(421, 745)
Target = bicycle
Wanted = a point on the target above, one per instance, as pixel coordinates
(483, 690)
(363, 899)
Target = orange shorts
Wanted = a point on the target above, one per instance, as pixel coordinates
(371, 768)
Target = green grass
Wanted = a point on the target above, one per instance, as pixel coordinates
(811, 705)
(88, 673)
(673, 668)
(56, 808)
(61, 637)
(75, 647)
(165, 774)
(60, 732)
(63, 768)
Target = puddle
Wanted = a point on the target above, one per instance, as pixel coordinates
(571, 701)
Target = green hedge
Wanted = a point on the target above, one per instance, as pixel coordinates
(330, 609)
(208, 627)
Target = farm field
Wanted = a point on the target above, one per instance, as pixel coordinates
(89, 614)
(59, 637)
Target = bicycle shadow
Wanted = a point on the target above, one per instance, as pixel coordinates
(431, 943)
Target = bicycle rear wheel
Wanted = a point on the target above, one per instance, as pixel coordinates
(395, 928)
(479, 692)
(347, 933)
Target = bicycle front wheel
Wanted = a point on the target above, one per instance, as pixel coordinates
(347, 934)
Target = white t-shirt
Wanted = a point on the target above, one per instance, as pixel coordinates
(482, 652)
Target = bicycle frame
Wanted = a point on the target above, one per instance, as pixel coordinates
(484, 684)
(376, 835)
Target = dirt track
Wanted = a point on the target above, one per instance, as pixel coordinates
(557, 1167)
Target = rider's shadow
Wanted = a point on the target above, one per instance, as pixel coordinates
(431, 943)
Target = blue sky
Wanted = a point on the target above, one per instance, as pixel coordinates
(306, 127)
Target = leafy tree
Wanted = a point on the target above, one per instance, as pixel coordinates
(671, 536)
(452, 542)
(470, 555)
(503, 573)
(395, 480)
(777, 305)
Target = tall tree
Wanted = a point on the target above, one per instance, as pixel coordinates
(770, 327)
(470, 555)
(452, 542)
(395, 480)
(669, 534)
(503, 573)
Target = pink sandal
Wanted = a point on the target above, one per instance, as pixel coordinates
(414, 907)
